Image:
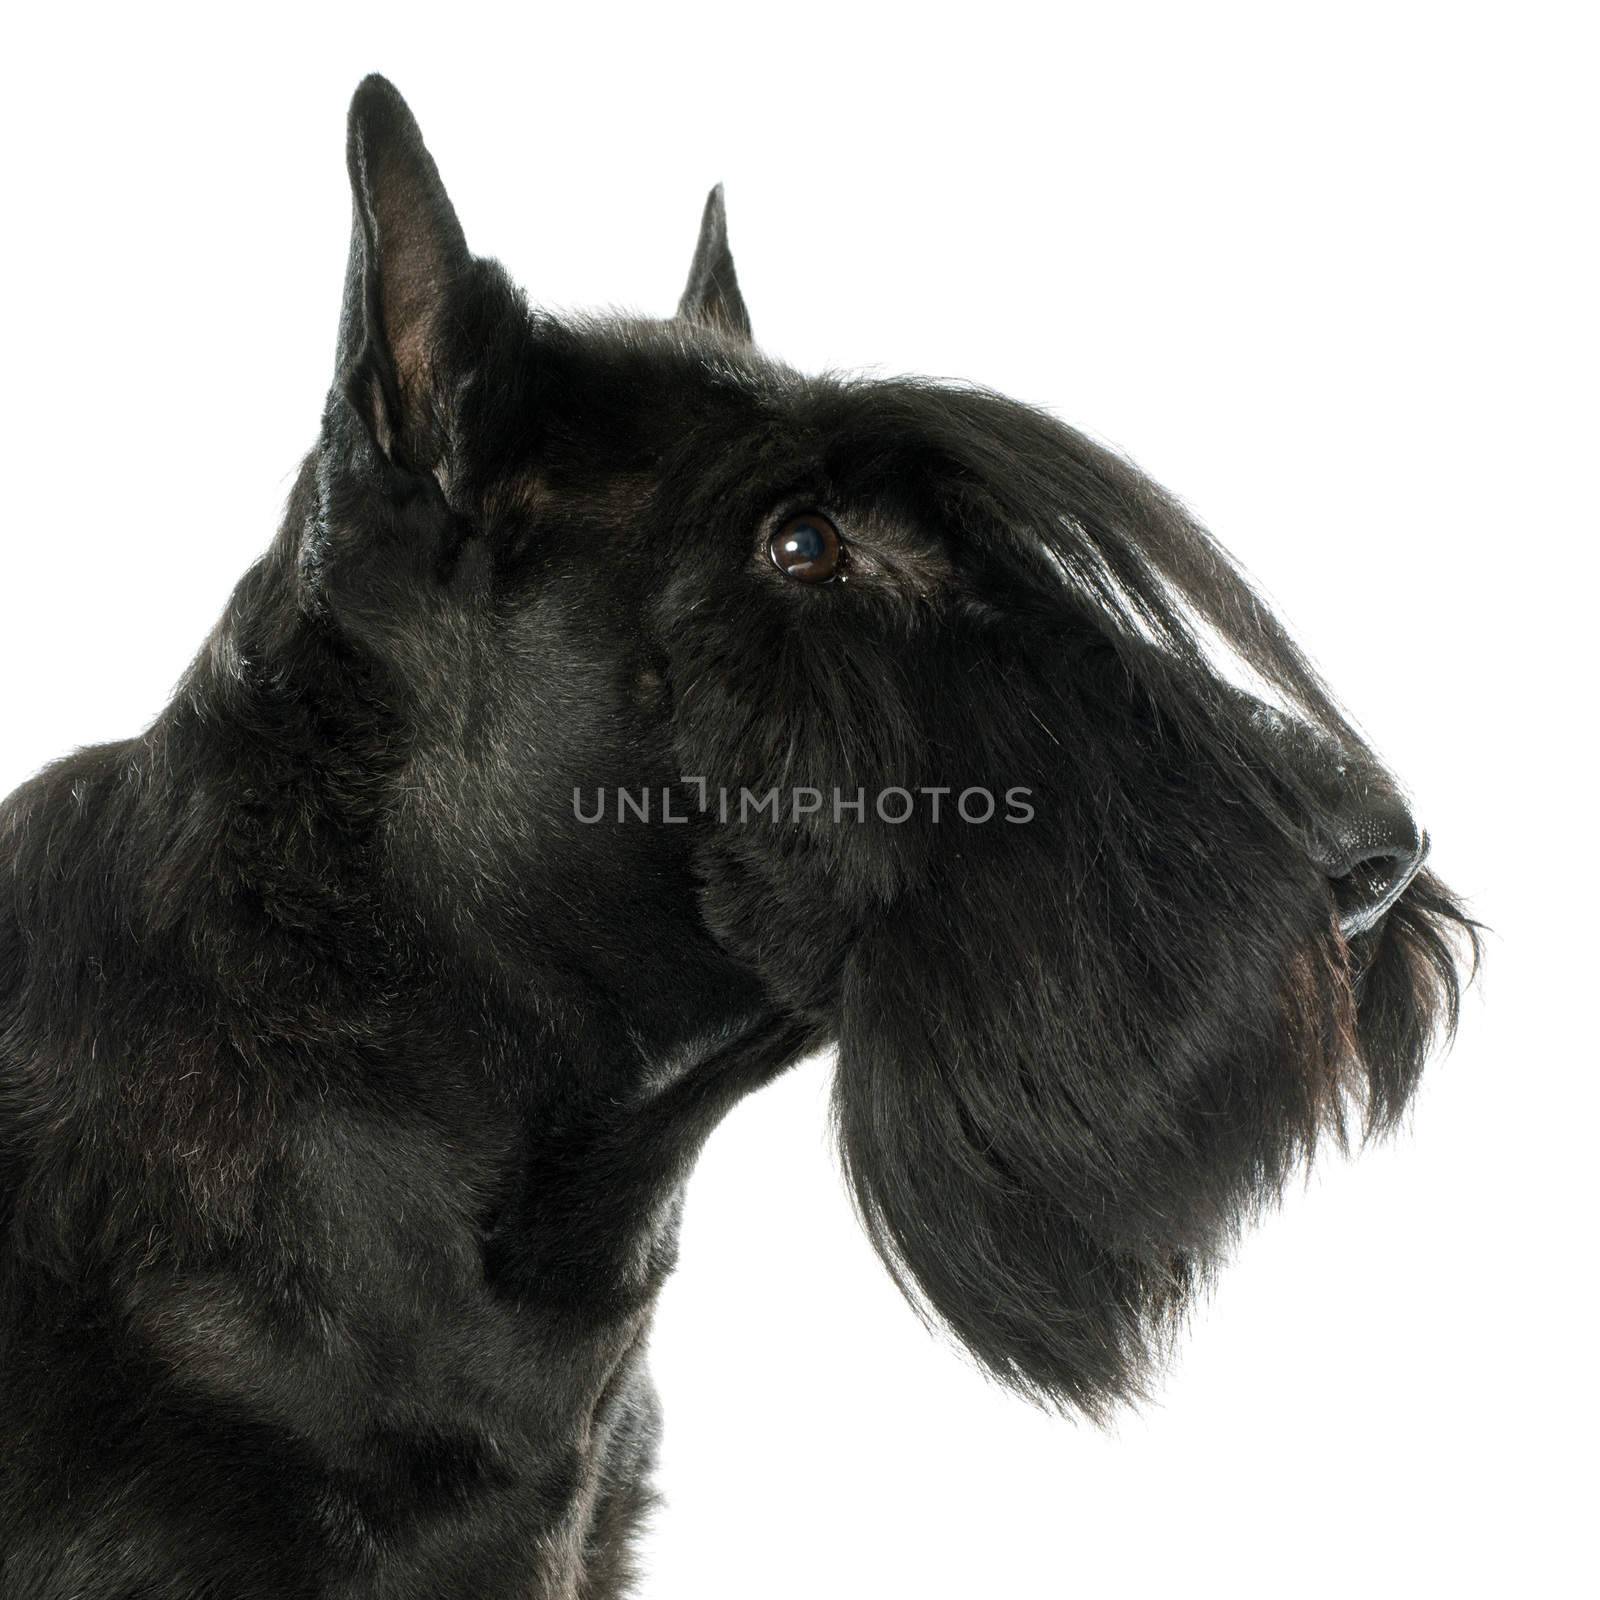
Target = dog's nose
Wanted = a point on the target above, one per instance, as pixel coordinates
(1365, 840)
(1372, 856)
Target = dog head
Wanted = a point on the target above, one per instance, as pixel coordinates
(995, 769)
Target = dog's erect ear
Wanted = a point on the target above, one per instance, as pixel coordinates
(406, 251)
(711, 296)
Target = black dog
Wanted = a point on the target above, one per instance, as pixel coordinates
(350, 1073)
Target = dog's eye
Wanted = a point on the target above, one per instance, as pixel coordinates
(807, 547)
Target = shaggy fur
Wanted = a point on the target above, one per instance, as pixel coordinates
(349, 1080)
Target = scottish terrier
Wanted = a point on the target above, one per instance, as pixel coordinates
(619, 716)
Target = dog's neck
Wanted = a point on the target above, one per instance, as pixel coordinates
(572, 1088)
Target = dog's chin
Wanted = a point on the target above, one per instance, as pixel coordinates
(1052, 1142)
(1407, 983)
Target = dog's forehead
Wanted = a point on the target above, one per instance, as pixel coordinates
(648, 390)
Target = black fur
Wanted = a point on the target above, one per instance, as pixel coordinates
(349, 1080)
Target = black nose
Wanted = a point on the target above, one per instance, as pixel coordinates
(1364, 837)
(1372, 856)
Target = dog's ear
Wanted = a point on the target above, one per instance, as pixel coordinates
(407, 251)
(711, 296)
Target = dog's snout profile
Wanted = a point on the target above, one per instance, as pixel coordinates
(1361, 832)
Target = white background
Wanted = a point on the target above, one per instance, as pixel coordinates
(1329, 273)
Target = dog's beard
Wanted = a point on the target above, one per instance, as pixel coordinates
(1085, 1051)
(1078, 1052)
